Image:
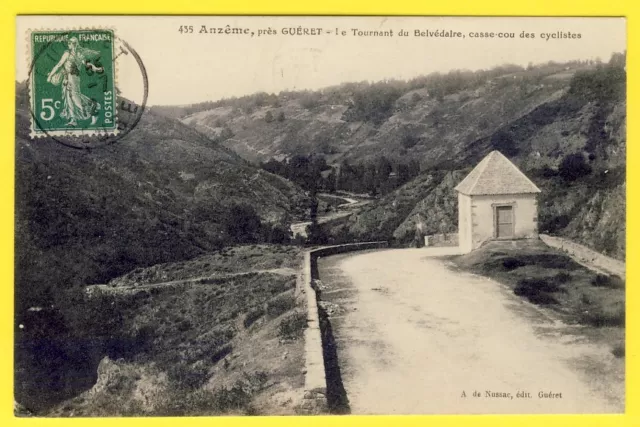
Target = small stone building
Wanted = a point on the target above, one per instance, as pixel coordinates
(496, 201)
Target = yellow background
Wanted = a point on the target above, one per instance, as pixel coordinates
(10, 8)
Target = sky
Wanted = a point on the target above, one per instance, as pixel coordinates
(186, 68)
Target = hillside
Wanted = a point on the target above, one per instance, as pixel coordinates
(433, 118)
(207, 341)
(163, 193)
(572, 147)
(547, 119)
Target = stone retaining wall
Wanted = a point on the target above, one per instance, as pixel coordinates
(586, 256)
(318, 384)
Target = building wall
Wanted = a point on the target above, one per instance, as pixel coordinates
(464, 223)
(525, 212)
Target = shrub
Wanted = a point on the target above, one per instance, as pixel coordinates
(512, 263)
(184, 325)
(253, 315)
(542, 298)
(528, 286)
(618, 350)
(550, 223)
(573, 166)
(605, 281)
(242, 223)
(605, 316)
(409, 140)
(537, 291)
(221, 353)
(280, 305)
(268, 117)
(188, 377)
(227, 399)
(292, 326)
(562, 277)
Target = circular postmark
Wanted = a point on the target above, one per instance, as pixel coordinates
(74, 96)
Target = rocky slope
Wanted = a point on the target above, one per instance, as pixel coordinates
(161, 194)
(537, 117)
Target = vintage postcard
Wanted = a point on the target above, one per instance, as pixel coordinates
(295, 215)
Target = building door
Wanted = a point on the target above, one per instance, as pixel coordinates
(504, 221)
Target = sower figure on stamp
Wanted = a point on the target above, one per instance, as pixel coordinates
(76, 106)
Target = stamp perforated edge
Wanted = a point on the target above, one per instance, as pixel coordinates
(33, 132)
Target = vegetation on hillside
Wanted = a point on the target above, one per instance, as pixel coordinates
(164, 193)
(548, 277)
(563, 124)
(373, 176)
(572, 147)
(172, 339)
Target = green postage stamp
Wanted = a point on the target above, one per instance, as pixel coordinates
(72, 83)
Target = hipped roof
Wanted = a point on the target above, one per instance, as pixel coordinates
(495, 174)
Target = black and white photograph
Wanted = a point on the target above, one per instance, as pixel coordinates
(319, 215)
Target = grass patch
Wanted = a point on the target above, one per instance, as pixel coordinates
(606, 281)
(292, 326)
(178, 334)
(605, 315)
(280, 305)
(187, 377)
(253, 315)
(549, 277)
(235, 399)
(511, 263)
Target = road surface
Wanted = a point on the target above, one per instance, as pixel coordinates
(415, 336)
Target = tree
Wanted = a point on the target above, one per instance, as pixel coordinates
(243, 224)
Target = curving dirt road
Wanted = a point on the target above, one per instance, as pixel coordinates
(413, 335)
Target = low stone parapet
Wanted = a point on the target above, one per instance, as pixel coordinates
(316, 387)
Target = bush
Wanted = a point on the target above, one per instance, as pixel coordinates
(188, 377)
(221, 353)
(280, 305)
(243, 223)
(573, 166)
(542, 298)
(537, 291)
(409, 140)
(512, 263)
(618, 350)
(292, 326)
(252, 316)
(605, 316)
(550, 223)
(562, 277)
(534, 284)
(184, 325)
(605, 281)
